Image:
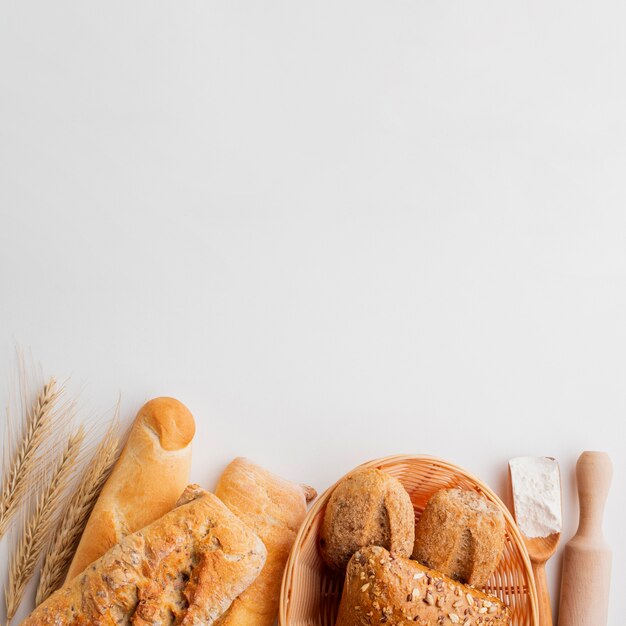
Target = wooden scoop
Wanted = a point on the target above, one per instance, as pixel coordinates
(540, 548)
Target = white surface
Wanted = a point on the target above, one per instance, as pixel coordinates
(336, 230)
(537, 498)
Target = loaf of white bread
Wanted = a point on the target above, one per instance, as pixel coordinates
(185, 569)
(273, 508)
(146, 481)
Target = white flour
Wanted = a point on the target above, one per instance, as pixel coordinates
(536, 495)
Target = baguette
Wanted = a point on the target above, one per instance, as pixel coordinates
(186, 568)
(145, 483)
(383, 589)
(274, 508)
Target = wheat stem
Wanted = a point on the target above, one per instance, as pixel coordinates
(38, 526)
(38, 423)
(68, 532)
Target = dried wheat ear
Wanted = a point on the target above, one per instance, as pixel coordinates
(38, 526)
(66, 536)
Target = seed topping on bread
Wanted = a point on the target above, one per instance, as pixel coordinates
(392, 595)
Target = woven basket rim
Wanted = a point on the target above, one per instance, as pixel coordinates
(513, 530)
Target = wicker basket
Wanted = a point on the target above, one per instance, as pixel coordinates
(310, 591)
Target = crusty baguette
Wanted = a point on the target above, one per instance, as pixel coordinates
(367, 508)
(461, 534)
(383, 589)
(185, 568)
(274, 509)
(145, 483)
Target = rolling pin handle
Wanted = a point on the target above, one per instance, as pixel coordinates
(594, 471)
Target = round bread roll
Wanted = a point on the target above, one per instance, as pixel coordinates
(367, 508)
(461, 534)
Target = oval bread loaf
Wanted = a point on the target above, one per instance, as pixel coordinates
(273, 508)
(461, 534)
(383, 589)
(184, 569)
(368, 507)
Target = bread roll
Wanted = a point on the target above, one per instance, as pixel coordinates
(145, 483)
(461, 534)
(186, 568)
(383, 589)
(368, 507)
(274, 509)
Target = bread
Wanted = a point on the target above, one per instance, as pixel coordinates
(146, 481)
(368, 507)
(461, 534)
(186, 568)
(273, 508)
(383, 589)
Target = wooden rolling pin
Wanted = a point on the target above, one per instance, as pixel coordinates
(587, 557)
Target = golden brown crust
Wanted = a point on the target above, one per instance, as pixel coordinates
(171, 420)
(185, 568)
(383, 589)
(368, 507)
(461, 534)
(273, 508)
(145, 483)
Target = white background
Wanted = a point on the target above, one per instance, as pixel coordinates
(335, 230)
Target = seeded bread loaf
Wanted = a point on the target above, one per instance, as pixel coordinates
(368, 507)
(383, 589)
(274, 509)
(146, 481)
(185, 569)
(460, 534)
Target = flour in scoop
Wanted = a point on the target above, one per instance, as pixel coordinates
(536, 495)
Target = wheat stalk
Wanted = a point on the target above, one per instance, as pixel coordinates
(67, 535)
(38, 526)
(38, 423)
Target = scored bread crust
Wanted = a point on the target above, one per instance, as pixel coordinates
(461, 534)
(382, 589)
(368, 507)
(146, 481)
(185, 568)
(273, 508)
